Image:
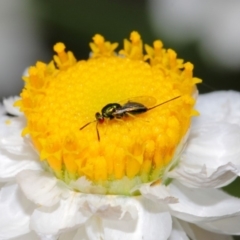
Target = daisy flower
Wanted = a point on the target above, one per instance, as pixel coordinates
(198, 21)
(106, 148)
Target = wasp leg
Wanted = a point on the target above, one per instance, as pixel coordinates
(130, 115)
(133, 116)
(98, 135)
(119, 119)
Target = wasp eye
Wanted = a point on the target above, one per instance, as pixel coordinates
(99, 117)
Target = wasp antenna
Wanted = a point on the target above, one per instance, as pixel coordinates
(163, 103)
(86, 125)
(98, 135)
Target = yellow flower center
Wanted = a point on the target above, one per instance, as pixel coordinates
(60, 100)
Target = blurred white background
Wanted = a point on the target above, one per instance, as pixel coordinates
(20, 43)
(213, 24)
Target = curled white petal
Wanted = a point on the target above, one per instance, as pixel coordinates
(200, 205)
(213, 145)
(15, 212)
(197, 233)
(146, 226)
(82, 184)
(25, 72)
(15, 155)
(149, 223)
(211, 157)
(2, 110)
(178, 232)
(109, 217)
(159, 193)
(197, 205)
(8, 104)
(65, 215)
(41, 187)
(12, 141)
(48, 237)
(29, 236)
(69, 235)
(11, 126)
(229, 225)
(201, 178)
(16, 145)
(219, 106)
(11, 165)
(92, 229)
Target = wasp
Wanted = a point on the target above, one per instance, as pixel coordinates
(118, 111)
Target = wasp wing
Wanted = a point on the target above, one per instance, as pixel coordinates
(147, 101)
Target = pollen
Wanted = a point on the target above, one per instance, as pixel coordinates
(8, 122)
(60, 101)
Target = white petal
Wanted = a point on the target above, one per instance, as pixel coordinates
(11, 165)
(92, 229)
(69, 235)
(159, 193)
(110, 218)
(2, 110)
(229, 225)
(15, 212)
(213, 145)
(61, 217)
(196, 233)
(8, 104)
(25, 72)
(198, 205)
(41, 187)
(203, 178)
(48, 237)
(82, 184)
(11, 126)
(29, 236)
(149, 223)
(211, 157)
(18, 145)
(178, 232)
(15, 156)
(219, 106)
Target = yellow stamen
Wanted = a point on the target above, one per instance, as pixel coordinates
(59, 101)
(63, 59)
(101, 48)
(133, 49)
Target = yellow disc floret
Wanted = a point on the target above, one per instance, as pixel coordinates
(60, 101)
